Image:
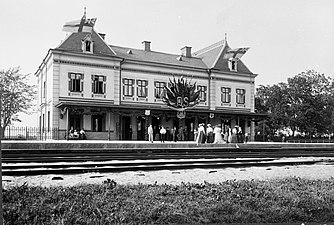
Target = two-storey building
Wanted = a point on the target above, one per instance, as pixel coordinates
(115, 92)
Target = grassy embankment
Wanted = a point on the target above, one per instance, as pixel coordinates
(275, 201)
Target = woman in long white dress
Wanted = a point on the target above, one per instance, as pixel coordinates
(218, 135)
(201, 134)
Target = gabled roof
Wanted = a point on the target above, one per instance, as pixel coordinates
(214, 56)
(158, 57)
(74, 43)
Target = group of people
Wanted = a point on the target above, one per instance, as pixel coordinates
(204, 135)
(217, 135)
(75, 134)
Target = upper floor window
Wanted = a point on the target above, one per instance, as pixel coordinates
(128, 87)
(75, 82)
(159, 89)
(241, 96)
(44, 90)
(87, 44)
(226, 95)
(232, 64)
(98, 84)
(142, 88)
(202, 95)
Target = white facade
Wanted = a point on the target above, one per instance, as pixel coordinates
(108, 90)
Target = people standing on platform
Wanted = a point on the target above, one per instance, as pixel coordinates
(201, 134)
(82, 134)
(234, 136)
(150, 133)
(228, 135)
(162, 134)
(246, 138)
(209, 132)
(218, 135)
(173, 133)
(195, 134)
(240, 136)
(180, 135)
(130, 132)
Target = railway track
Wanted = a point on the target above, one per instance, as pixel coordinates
(29, 162)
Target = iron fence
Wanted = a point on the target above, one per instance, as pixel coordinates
(33, 133)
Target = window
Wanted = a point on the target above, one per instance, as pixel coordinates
(142, 88)
(128, 87)
(241, 96)
(232, 64)
(202, 95)
(48, 121)
(44, 89)
(88, 45)
(98, 84)
(75, 82)
(226, 95)
(159, 89)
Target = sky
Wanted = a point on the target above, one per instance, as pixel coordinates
(285, 37)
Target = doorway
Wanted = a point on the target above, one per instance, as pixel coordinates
(126, 128)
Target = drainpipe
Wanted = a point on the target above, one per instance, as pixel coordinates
(120, 97)
(120, 80)
(209, 88)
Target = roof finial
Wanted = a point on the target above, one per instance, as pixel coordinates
(85, 11)
(225, 38)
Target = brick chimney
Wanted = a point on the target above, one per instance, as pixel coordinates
(147, 45)
(186, 51)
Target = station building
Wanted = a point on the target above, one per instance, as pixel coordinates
(115, 93)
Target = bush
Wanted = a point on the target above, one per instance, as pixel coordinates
(288, 200)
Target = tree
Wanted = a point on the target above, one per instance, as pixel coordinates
(310, 96)
(16, 96)
(304, 104)
(274, 101)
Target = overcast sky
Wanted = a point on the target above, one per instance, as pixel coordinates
(285, 37)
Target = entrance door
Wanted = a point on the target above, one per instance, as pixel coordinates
(126, 128)
(189, 129)
(141, 128)
(156, 123)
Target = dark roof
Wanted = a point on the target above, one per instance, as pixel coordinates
(211, 57)
(158, 57)
(214, 57)
(73, 43)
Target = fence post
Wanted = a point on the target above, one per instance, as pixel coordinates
(26, 133)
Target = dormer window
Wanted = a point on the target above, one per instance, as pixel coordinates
(87, 44)
(232, 64)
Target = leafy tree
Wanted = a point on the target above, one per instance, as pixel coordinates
(16, 95)
(274, 101)
(309, 94)
(304, 104)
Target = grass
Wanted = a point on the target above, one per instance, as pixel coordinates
(287, 200)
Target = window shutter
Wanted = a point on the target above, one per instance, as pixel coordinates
(69, 75)
(82, 76)
(104, 78)
(132, 90)
(104, 88)
(70, 85)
